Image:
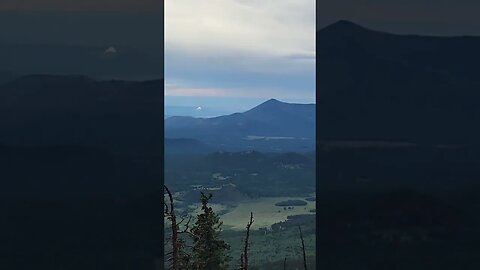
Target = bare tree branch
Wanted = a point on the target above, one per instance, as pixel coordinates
(187, 224)
(244, 256)
(170, 197)
(181, 221)
(189, 233)
(167, 212)
(173, 219)
(303, 248)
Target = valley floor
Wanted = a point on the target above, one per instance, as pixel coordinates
(264, 210)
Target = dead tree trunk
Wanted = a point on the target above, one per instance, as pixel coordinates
(244, 256)
(170, 213)
(303, 249)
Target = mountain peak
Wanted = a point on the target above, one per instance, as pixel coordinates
(344, 26)
(346, 23)
(272, 101)
(274, 106)
(269, 104)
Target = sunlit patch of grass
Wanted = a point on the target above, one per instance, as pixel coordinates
(265, 212)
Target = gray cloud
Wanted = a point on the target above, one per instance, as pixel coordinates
(247, 29)
(241, 48)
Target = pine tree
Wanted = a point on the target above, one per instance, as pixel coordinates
(209, 251)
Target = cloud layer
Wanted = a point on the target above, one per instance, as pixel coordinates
(277, 28)
(246, 48)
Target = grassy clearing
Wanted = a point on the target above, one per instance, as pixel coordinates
(265, 212)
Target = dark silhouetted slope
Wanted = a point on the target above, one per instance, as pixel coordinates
(80, 169)
(55, 110)
(380, 86)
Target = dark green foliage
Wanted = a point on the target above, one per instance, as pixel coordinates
(295, 221)
(255, 174)
(209, 251)
(183, 256)
(291, 203)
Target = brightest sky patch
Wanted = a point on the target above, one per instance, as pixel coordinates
(239, 50)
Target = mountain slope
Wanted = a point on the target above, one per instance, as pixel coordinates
(184, 146)
(374, 85)
(269, 121)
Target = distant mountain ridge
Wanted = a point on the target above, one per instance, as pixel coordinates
(379, 86)
(93, 61)
(75, 92)
(193, 111)
(258, 127)
(45, 110)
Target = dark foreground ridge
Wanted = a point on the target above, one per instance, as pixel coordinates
(81, 173)
(398, 159)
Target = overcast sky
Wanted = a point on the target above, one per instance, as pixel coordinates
(232, 53)
(132, 23)
(238, 53)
